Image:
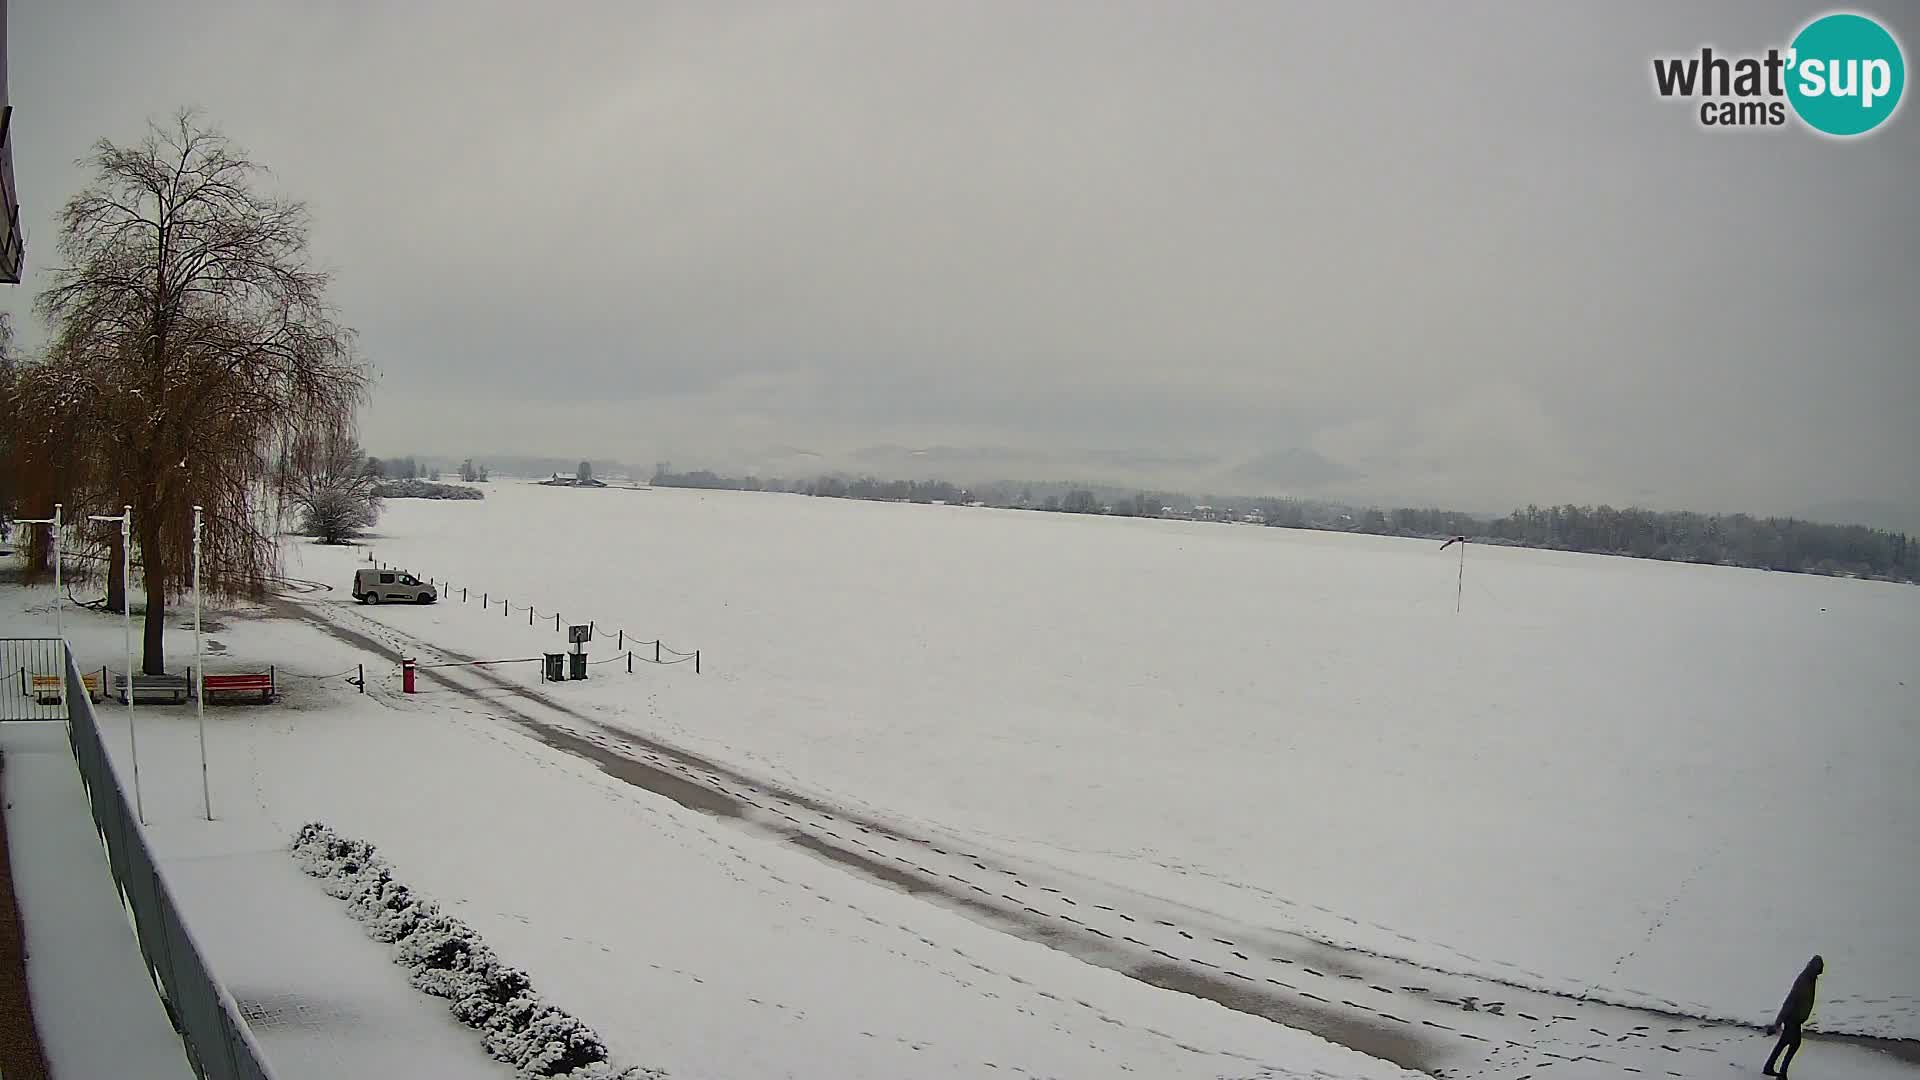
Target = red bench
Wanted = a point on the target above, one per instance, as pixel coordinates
(261, 683)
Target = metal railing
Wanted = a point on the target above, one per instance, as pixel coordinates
(32, 674)
(219, 1043)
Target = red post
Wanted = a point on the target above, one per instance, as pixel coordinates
(406, 675)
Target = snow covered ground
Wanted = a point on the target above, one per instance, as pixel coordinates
(1656, 782)
(689, 944)
(1271, 769)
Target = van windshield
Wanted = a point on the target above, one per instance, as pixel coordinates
(409, 579)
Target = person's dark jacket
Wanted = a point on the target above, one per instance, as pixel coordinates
(1799, 1003)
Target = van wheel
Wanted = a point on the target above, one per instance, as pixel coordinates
(424, 599)
(373, 598)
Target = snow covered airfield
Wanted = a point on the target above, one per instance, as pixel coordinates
(967, 792)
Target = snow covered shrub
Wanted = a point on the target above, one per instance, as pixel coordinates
(502, 993)
(556, 1044)
(445, 957)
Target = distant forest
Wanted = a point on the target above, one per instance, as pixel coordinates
(1766, 543)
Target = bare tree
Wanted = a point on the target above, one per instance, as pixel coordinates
(194, 345)
(331, 487)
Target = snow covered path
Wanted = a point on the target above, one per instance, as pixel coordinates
(94, 1003)
(1418, 1016)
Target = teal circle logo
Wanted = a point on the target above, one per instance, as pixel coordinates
(1845, 74)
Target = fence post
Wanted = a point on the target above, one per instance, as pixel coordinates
(696, 661)
(629, 662)
(556, 621)
(363, 677)
(529, 614)
(484, 601)
(656, 650)
(621, 643)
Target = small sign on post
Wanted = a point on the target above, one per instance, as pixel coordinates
(577, 662)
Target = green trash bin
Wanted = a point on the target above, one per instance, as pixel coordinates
(556, 666)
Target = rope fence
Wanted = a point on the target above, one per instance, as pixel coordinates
(354, 670)
(623, 641)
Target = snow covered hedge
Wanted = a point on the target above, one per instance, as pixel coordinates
(425, 489)
(447, 959)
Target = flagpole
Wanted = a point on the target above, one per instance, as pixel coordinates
(59, 626)
(126, 630)
(199, 676)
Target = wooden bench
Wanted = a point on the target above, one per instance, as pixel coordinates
(154, 689)
(258, 682)
(46, 688)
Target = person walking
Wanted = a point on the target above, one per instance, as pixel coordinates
(1793, 1013)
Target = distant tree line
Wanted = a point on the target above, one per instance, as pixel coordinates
(397, 468)
(1768, 543)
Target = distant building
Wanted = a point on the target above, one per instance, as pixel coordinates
(570, 480)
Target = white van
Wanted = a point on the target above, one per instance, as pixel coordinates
(391, 587)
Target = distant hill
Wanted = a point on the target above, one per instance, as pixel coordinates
(1291, 470)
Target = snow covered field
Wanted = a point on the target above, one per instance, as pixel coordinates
(1657, 785)
(1646, 780)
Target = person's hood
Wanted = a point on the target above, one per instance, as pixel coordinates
(1816, 965)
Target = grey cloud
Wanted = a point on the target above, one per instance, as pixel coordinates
(1458, 253)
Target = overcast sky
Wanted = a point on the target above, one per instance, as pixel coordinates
(1462, 254)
